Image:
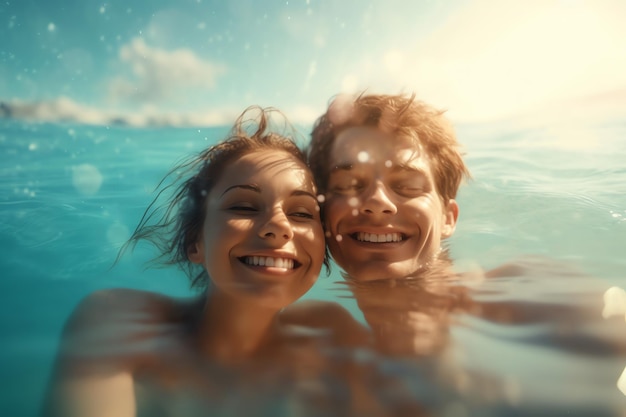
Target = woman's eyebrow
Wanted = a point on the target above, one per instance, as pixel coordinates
(297, 193)
(242, 186)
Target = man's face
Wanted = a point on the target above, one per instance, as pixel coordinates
(384, 217)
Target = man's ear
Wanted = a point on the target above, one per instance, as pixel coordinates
(195, 252)
(450, 216)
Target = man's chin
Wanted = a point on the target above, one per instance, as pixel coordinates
(368, 271)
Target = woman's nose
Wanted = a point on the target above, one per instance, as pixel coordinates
(277, 226)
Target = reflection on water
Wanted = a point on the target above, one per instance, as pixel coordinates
(528, 337)
(442, 343)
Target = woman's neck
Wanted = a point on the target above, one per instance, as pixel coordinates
(232, 329)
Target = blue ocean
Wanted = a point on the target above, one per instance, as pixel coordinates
(550, 199)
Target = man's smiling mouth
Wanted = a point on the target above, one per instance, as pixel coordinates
(378, 238)
(269, 261)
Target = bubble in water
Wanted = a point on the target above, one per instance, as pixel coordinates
(86, 178)
(321, 198)
(353, 202)
(614, 303)
(621, 382)
(388, 163)
(117, 234)
(33, 147)
(363, 156)
(355, 212)
(338, 238)
(51, 27)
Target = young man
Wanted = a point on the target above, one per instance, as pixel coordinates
(389, 167)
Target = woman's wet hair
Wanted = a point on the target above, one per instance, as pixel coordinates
(175, 218)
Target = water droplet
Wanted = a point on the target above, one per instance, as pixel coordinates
(117, 234)
(86, 178)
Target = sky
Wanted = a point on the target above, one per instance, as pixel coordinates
(202, 62)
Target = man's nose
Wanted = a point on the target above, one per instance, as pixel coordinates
(276, 226)
(378, 201)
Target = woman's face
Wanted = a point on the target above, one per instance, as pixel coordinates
(262, 237)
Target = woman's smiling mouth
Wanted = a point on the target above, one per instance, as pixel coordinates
(270, 262)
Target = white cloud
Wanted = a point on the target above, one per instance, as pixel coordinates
(159, 74)
(61, 109)
(66, 110)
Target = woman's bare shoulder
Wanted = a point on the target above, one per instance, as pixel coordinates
(110, 323)
(103, 306)
(327, 315)
(315, 310)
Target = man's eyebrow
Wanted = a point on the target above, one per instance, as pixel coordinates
(250, 187)
(342, 167)
(396, 167)
(408, 168)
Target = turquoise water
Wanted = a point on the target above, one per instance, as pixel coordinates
(71, 194)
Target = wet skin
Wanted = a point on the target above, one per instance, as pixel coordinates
(384, 216)
(262, 238)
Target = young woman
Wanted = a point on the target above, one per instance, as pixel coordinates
(245, 224)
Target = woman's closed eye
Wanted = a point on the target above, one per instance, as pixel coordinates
(302, 214)
(302, 209)
(242, 208)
